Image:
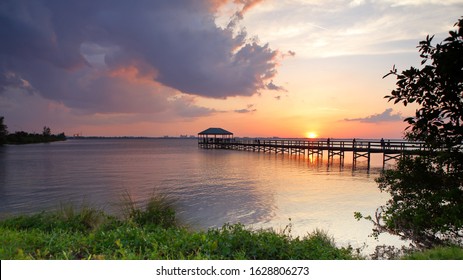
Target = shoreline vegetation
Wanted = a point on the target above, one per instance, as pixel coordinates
(153, 232)
(21, 137)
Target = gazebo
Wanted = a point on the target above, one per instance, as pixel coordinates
(213, 136)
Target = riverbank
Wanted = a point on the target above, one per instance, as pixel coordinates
(150, 233)
(155, 233)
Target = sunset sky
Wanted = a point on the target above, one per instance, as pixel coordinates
(254, 67)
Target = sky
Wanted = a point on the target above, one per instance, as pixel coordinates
(258, 68)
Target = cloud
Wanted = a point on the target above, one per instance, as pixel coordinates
(395, 3)
(249, 109)
(290, 53)
(118, 56)
(333, 28)
(11, 79)
(272, 86)
(238, 15)
(186, 108)
(385, 116)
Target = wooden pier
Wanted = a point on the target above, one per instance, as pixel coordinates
(390, 149)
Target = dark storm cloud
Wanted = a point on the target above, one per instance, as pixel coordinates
(385, 116)
(68, 51)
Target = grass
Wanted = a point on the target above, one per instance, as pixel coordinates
(159, 210)
(151, 231)
(132, 242)
(438, 253)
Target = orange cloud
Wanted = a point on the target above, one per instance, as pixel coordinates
(133, 74)
(248, 4)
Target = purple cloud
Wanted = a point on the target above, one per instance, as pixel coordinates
(385, 116)
(249, 109)
(69, 51)
(272, 86)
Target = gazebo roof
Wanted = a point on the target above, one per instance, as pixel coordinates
(215, 131)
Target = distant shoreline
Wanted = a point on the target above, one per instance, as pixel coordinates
(130, 137)
(243, 137)
(24, 138)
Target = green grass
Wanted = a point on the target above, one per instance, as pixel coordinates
(150, 232)
(153, 232)
(133, 242)
(438, 253)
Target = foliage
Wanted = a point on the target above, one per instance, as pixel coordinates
(438, 253)
(3, 131)
(46, 131)
(426, 204)
(234, 240)
(21, 137)
(437, 88)
(388, 252)
(66, 219)
(92, 234)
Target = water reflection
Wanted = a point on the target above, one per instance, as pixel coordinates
(3, 160)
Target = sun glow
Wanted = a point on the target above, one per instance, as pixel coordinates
(311, 135)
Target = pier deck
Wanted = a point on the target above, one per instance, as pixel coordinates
(390, 149)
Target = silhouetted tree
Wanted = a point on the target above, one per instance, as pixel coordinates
(3, 131)
(426, 204)
(22, 137)
(437, 87)
(46, 131)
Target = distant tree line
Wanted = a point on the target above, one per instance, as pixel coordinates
(21, 137)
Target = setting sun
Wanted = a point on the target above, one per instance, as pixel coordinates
(311, 135)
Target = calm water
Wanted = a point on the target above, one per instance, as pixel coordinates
(211, 187)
